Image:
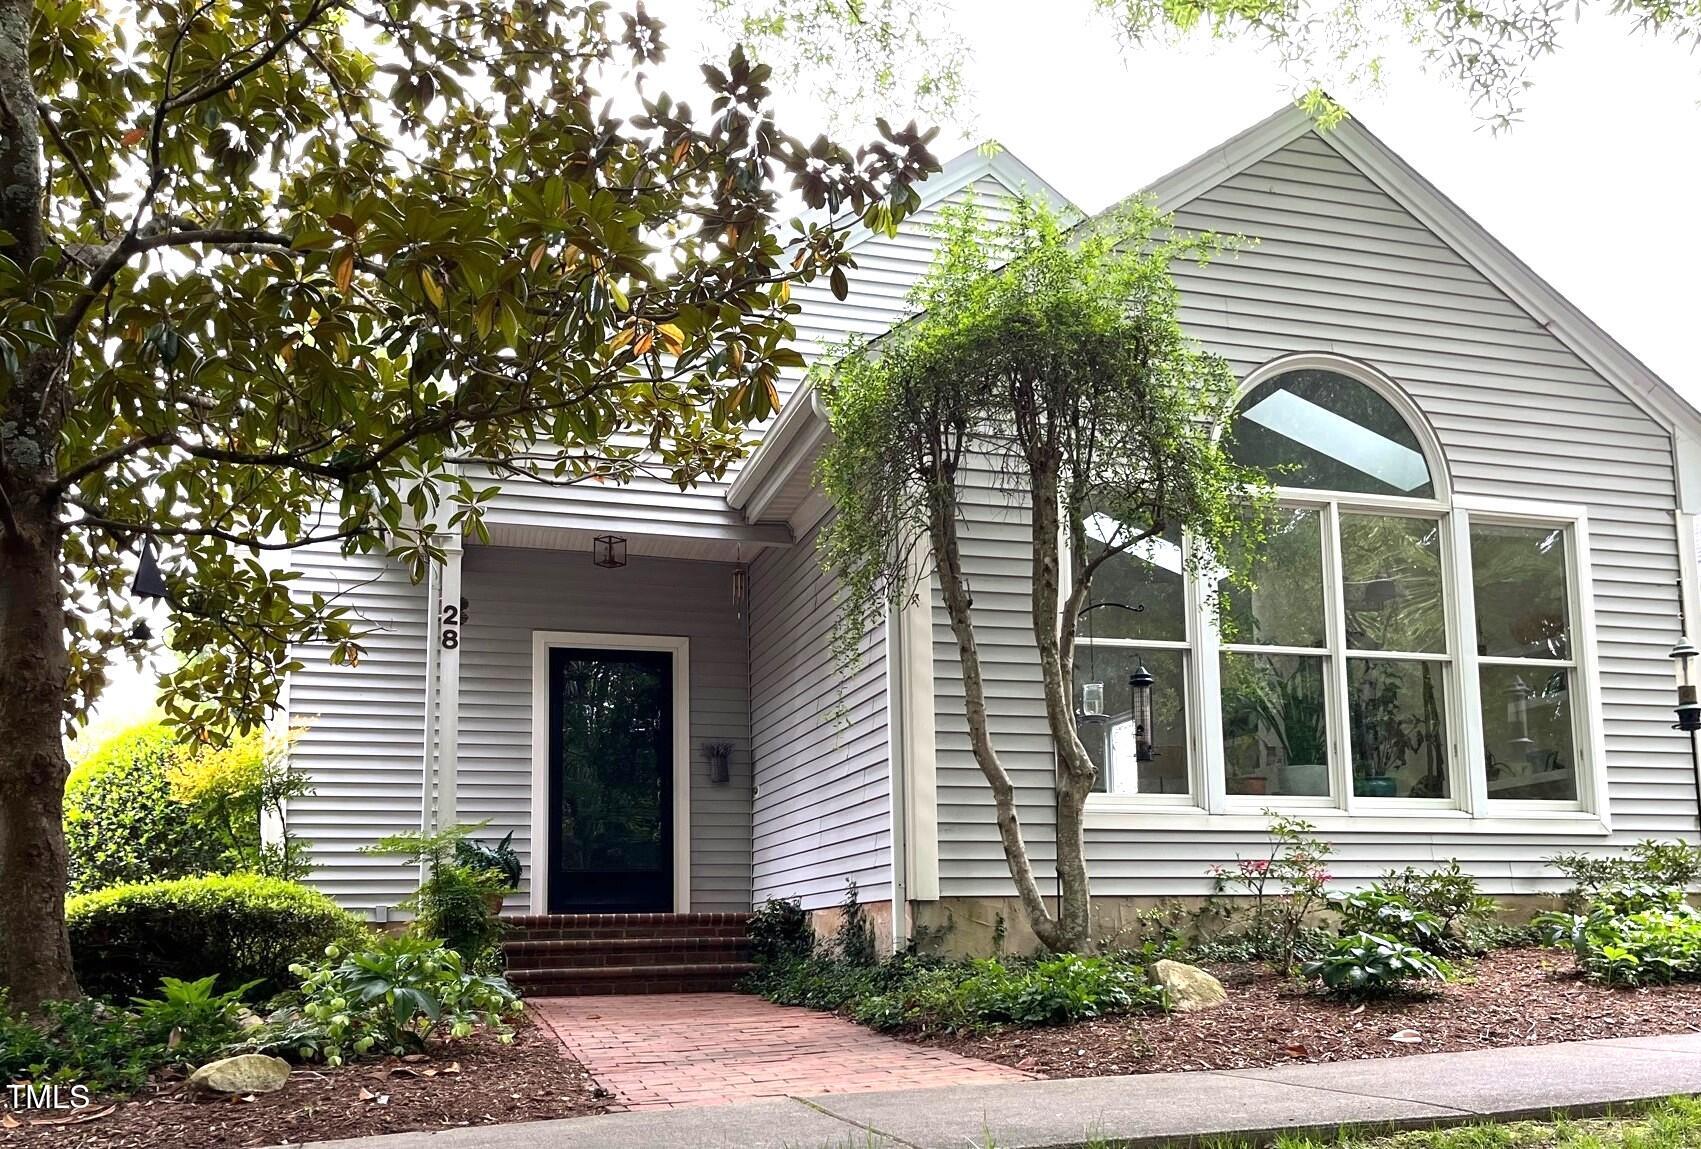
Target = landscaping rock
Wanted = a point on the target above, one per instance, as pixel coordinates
(244, 1073)
(1190, 988)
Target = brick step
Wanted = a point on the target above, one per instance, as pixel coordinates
(582, 953)
(592, 927)
(676, 978)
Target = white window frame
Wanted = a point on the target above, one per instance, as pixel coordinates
(1468, 807)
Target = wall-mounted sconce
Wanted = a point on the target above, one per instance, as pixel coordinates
(719, 755)
(609, 550)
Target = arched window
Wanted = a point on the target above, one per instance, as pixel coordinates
(1349, 602)
(1317, 429)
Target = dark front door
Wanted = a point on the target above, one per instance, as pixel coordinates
(610, 781)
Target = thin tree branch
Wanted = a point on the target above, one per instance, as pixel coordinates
(214, 87)
(43, 111)
(92, 518)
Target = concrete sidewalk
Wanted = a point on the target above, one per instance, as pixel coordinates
(1143, 1110)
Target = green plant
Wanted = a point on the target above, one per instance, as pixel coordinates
(1650, 862)
(392, 997)
(1375, 911)
(1286, 886)
(242, 927)
(854, 938)
(236, 785)
(1364, 964)
(106, 1048)
(454, 902)
(779, 932)
(1450, 894)
(500, 858)
(124, 820)
(1634, 934)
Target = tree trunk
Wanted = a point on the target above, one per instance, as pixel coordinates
(1075, 770)
(33, 768)
(959, 606)
(34, 662)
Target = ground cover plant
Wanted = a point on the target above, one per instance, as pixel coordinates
(1632, 935)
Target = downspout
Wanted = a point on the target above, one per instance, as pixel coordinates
(898, 776)
(428, 759)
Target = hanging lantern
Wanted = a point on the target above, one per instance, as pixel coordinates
(1688, 707)
(609, 550)
(1140, 687)
(149, 582)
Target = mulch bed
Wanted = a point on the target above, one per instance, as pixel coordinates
(476, 1081)
(1509, 997)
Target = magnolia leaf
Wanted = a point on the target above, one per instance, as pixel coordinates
(428, 282)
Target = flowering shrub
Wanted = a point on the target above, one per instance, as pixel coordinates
(1286, 886)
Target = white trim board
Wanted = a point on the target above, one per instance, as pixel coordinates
(680, 648)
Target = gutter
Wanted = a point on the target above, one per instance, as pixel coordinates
(801, 426)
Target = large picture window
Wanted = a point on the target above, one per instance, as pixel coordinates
(1394, 651)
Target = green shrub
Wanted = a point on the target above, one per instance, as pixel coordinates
(1284, 887)
(1364, 965)
(1466, 915)
(144, 807)
(1375, 911)
(241, 927)
(854, 939)
(1635, 934)
(1649, 863)
(779, 932)
(392, 997)
(106, 1048)
(124, 821)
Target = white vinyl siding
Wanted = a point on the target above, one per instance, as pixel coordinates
(512, 592)
(360, 728)
(1341, 267)
(822, 811)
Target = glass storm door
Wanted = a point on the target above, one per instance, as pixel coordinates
(610, 781)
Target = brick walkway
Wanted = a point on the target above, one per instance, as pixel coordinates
(661, 1051)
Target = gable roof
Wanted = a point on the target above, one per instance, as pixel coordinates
(781, 461)
(1453, 226)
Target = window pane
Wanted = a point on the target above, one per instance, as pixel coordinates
(1148, 575)
(1520, 591)
(1274, 730)
(1392, 596)
(1110, 740)
(1528, 733)
(1324, 431)
(1285, 607)
(1399, 728)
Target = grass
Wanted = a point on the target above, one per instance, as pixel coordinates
(1671, 1124)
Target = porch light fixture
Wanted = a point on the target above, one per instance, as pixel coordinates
(1688, 707)
(609, 550)
(1140, 688)
(149, 582)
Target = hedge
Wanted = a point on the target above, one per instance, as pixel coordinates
(241, 927)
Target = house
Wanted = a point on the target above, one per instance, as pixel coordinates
(1458, 648)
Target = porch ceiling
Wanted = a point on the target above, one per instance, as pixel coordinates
(678, 541)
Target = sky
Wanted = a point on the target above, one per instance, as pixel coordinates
(1596, 188)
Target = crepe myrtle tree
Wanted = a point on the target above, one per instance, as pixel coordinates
(276, 273)
(1049, 362)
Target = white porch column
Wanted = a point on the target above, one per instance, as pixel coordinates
(451, 628)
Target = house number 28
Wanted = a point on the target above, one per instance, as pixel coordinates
(454, 618)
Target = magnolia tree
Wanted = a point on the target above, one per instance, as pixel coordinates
(287, 272)
(1049, 361)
